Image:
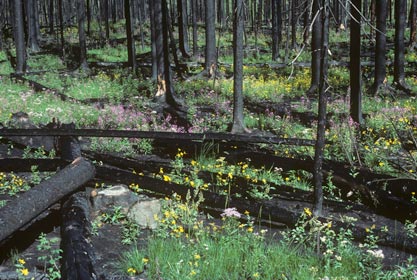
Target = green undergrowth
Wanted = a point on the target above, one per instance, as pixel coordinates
(189, 245)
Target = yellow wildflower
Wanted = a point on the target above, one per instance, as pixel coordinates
(21, 261)
(197, 256)
(24, 271)
(167, 178)
(145, 260)
(308, 212)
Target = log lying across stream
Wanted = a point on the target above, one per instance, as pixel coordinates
(30, 204)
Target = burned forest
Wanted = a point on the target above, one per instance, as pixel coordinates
(208, 139)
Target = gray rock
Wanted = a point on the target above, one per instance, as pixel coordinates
(143, 212)
(140, 209)
(118, 195)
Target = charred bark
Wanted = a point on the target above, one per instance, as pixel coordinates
(355, 62)
(380, 47)
(131, 50)
(183, 27)
(399, 57)
(210, 53)
(315, 47)
(81, 34)
(321, 126)
(19, 39)
(78, 254)
(238, 119)
(33, 202)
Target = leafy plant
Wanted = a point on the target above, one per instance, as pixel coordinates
(50, 255)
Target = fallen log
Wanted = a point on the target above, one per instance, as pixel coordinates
(40, 88)
(25, 165)
(30, 204)
(280, 210)
(379, 192)
(78, 254)
(209, 136)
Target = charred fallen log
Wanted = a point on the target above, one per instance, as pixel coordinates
(280, 210)
(33, 202)
(218, 136)
(39, 87)
(25, 165)
(389, 196)
(78, 254)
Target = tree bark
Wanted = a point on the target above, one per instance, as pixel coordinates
(78, 255)
(81, 34)
(413, 23)
(321, 126)
(51, 16)
(276, 14)
(293, 24)
(195, 27)
(159, 44)
(315, 48)
(106, 19)
(19, 37)
(183, 27)
(355, 62)
(210, 53)
(399, 59)
(61, 27)
(380, 47)
(33, 202)
(238, 29)
(153, 42)
(131, 50)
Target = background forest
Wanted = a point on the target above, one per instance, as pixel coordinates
(313, 101)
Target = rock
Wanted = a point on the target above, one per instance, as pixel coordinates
(140, 209)
(143, 212)
(117, 195)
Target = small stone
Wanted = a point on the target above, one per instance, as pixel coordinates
(118, 195)
(143, 212)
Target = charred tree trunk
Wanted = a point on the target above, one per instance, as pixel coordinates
(88, 7)
(33, 202)
(413, 24)
(380, 47)
(293, 24)
(81, 34)
(399, 59)
(183, 27)
(61, 28)
(210, 53)
(276, 14)
(195, 27)
(159, 42)
(238, 29)
(131, 51)
(19, 37)
(51, 16)
(106, 19)
(153, 43)
(315, 47)
(355, 62)
(321, 126)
